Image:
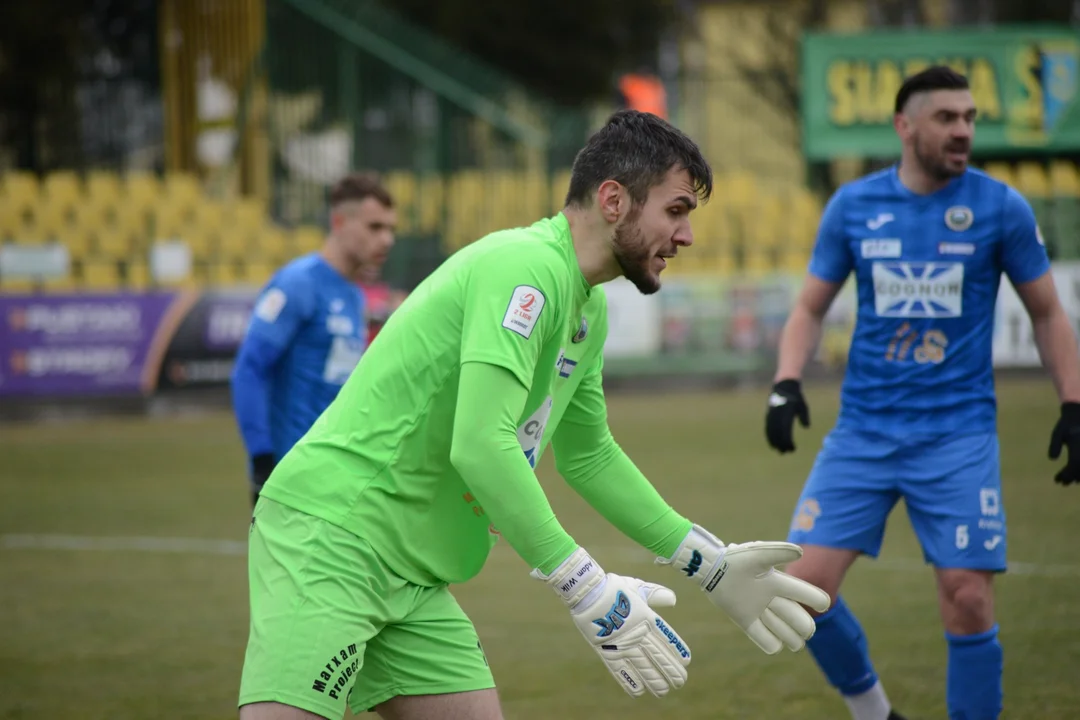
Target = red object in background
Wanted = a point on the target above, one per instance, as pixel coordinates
(380, 301)
(376, 305)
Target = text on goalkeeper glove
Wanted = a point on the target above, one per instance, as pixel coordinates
(615, 615)
(742, 581)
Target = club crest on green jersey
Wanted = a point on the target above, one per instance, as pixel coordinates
(582, 331)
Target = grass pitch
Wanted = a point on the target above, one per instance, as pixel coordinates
(123, 590)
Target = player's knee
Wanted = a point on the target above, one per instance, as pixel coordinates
(967, 601)
(823, 567)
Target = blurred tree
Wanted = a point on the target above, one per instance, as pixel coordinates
(50, 50)
(567, 50)
(969, 12)
(37, 70)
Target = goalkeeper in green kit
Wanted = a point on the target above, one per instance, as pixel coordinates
(427, 456)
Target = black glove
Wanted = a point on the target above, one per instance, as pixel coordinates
(1067, 433)
(786, 403)
(261, 467)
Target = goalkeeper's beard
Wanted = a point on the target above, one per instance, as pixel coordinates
(632, 253)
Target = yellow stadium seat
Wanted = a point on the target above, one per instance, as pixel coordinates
(175, 283)
(235, 243)
(766, 223)
(100, 275)
(62, 187)
(272, 244)
(170, 220)
(223, 274)
(203, 243)
(35, 228)
(113, 244)
(466, 219)
(757, 261)
(1032, 180)
(795, 261)
(77, 240)
(141, 191)
(16, 285)
(54, 217)
(58, 284)
(258, 272)
(307, 239)
(134, 221)
(246, 215)
(402, 187)
(137, 275)
(103, 187)
(804, 216)
(18, 205)
(430, 196)
(560, 184)
(1001, 171)
(210, 215)
(1064, 179)
(96, 214)
(20, 187)
(183, 188)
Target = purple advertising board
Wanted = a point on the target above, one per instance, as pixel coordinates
(63, 345)
(79, 345)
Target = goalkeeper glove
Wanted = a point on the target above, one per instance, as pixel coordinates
(1067, 434)
(786, 402)
(614, 613)
(741, 581)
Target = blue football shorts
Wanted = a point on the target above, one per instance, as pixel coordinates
(951, 486)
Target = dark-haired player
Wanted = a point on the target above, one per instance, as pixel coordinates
(928, 241)
(427, 455)
(309, 329)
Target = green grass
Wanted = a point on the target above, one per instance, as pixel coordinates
(123, 634)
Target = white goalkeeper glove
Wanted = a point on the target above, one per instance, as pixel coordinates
(615, 615)
(741, 581)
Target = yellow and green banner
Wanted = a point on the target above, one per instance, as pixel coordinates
(1024, 81)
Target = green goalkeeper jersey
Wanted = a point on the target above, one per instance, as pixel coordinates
(377, 462)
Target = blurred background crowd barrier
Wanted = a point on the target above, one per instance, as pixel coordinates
(159, 160)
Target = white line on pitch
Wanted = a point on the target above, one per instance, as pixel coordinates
(200, 546)
(189, 546)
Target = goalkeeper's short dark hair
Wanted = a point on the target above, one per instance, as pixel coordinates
(937, 77)
(637, 150)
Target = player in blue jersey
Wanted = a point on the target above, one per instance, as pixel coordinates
(309, 329)
(928, 241)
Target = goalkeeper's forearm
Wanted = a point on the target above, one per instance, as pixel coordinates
(592, 463)
(486, 452)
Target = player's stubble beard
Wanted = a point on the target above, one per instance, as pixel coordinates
(633, 254)
(934, 164)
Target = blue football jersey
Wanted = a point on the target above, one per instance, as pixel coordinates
(927, 271)
(309, 323)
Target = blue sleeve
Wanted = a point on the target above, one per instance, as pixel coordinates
(1023, 253)
(831, 258)
(281, 310)
(251, 385)
(283, 307)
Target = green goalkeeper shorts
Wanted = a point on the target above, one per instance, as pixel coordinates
(331, 623)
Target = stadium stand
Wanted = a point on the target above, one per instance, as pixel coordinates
(139, 231)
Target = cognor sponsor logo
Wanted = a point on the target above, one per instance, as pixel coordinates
(918, 289)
